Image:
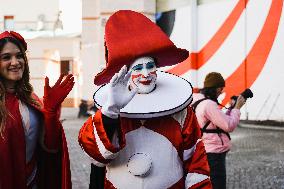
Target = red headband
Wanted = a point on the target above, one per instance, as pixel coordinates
(14, 35)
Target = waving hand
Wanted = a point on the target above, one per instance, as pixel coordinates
(54, 96)
(119, 94)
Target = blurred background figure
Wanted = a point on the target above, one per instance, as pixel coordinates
(86, 109)
(216, 125)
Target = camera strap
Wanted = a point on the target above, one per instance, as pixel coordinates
(204, 128)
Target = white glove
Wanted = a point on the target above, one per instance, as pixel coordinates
(119, 94)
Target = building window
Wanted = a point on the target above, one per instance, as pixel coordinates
(8, 22)
(66, 67)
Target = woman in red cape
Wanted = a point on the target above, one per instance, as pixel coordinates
(33, 147)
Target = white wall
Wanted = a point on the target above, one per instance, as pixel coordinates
(71, 15)
(242, 40)
(26, 12)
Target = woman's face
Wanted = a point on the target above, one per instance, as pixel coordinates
(12, 64)
(143, 74)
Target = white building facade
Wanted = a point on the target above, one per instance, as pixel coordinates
(53, 34)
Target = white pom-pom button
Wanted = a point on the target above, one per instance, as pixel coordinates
(139, 164)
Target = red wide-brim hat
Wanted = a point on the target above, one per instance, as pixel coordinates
(15, 35)
(130, 35)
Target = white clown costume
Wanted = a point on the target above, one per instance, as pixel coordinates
(152, 140)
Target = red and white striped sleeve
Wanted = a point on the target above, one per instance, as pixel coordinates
(94, 141)
(194, 155)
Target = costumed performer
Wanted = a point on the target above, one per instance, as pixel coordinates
(145, 133)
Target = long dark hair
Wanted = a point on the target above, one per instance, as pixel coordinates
(23, 87)
(210, 92)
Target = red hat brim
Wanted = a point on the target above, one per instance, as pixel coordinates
(130, 35)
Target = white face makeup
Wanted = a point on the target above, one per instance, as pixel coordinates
(143, 74)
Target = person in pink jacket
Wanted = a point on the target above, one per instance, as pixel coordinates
(216, 125)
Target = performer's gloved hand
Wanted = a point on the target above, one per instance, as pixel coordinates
(54, 96)
(119, 94)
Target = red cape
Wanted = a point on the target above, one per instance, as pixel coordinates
(53, 168)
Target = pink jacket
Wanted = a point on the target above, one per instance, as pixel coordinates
(209, 110)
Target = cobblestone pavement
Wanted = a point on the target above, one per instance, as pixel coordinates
(256, 160)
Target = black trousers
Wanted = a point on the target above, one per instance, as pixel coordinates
(97, 177)
(217, 164)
